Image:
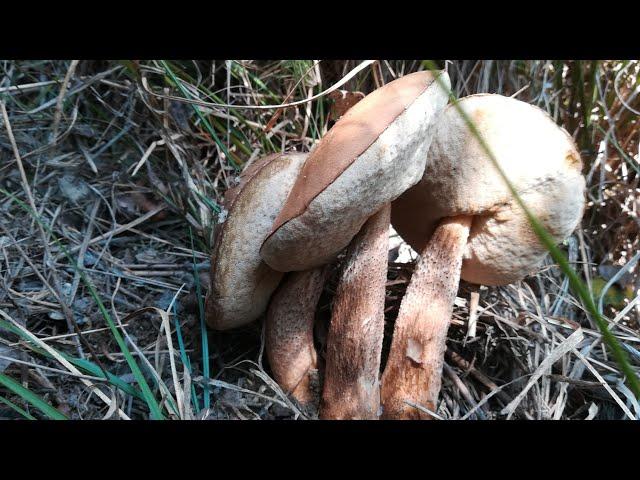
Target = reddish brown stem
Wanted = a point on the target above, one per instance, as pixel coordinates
(414, 368)
(289, 334)
(351, 386)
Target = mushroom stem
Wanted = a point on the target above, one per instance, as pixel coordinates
(354, 344)
(289, 334)
(414, 367)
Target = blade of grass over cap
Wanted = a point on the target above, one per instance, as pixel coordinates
(558, 256)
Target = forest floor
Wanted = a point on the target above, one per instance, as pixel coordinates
(110, 191)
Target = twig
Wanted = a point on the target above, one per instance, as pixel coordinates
(61, 95)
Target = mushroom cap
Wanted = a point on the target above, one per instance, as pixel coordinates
(241, 283)
(370, 156)
(538, 157)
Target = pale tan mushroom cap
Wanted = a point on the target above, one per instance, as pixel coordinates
(370, 156)
(241, 283)
(538, 157)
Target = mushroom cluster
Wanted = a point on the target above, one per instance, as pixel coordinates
(398, 156)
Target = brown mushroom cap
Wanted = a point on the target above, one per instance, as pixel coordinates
(538, 157)
(241, 283)
(370, 156)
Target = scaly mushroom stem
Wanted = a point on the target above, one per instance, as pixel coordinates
(351, 381)
(289, 334)
(414, 368)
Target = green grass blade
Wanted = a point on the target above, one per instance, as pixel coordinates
(184, 357)
(154, 407)
(203, 330)
(202, 118)
(208, 202)
(92, 369)
(30, 397)
(82, 364)
(238, 136)
(15, 407)
(578, 287)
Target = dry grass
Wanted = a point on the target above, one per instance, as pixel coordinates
(121, 176)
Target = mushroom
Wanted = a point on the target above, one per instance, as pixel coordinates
(370, 156)
(241, 283)
(289, 335)
(464, 221)
(351, 388)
